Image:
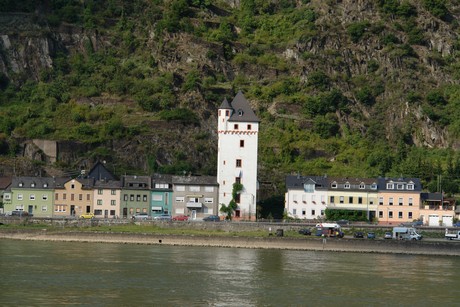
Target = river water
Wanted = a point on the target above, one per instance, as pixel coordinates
(35, 273)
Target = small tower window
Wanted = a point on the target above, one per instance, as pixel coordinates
(235, 126)
(249, 127)
(227, 112)
(241, 143)
(240, 112)
(238, 163)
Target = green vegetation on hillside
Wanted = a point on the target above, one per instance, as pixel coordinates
(336, 95)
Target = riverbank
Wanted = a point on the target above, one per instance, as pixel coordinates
(445, 248)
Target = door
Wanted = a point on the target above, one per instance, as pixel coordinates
(31, 209)
(106, 213)
(193, 214)
(72, 210)
(125, 213)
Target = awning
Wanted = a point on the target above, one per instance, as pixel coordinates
(195, 196)
(156, 208)
(194, 205)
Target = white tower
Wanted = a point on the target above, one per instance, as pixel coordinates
(238, 129)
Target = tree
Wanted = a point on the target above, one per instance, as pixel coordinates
(231, 207)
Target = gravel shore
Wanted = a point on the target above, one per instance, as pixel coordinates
(445, 248)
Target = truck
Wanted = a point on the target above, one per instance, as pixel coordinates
(452, 235)
(329, 230)
(406, 233)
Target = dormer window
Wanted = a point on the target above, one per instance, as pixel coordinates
(45, 185)
(410, 186)
(373, 186)
(390, 186)
(240, 112)
(362, 186)
(400, 186)
(346, 185)
(32, 185)
(334, 185)
(21, 184)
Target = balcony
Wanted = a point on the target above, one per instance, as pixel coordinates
(194, 205)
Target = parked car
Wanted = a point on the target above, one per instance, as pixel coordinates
(163, 217)
(358, 234)
(87, 215)
(388, 235)
(21, 213)
(417, 223)
(212, 218)
(305, 232)
(141, 216)
(456, 224)
(371, 235)
(180, 218)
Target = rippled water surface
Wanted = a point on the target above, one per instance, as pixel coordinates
(96, 274)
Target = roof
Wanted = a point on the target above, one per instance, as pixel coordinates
(5, 182)
(107, 184)
(242, 111)
(382, 183)
(136, 182)
(196, 180)
(297, 182)
(99, 172)
(33, 183)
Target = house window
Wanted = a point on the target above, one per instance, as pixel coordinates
(71, 197)
(227, 112)
(99, 202)
(194, 188)
(371, 201)
(45, 185)
(362, 186)
(112, 212)
(44, 208)
(294, 211)
(113, 192)
(32, 185)
(381, 201)
(341, 199)
(72, 186)
(380, 214)
(390, 214)
(208, 200)
(56, 196)
(20, 196)
(410, 186)
(131, 197)
(304, 212)
(390, 186)
(360, 200)
(411, 201)
(180, 199)
(238, 162)
(99, 191)
(144, 198)
(400, 201)
(399, 186)
(80, 196)
(238, 180)
(125, 197)
(209, 189)
(304, 198)
(88, 197)
(64, 196)
(313, 212)
(157, 197)
(332, 199)
(390, 201)
(21, 184)
(241, 143)
(32, 197)
(180, 188)
(409, 214)
(113, 202)
(322, 212)
(138, 197)
(334, 185)
(238, 198)
(235, 126)
(400, 215)
(347, 185)
(44, 197)
(350, 199)
(374, 186)
(294, 198)
(309, 188)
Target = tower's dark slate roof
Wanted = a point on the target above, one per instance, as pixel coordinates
(242, 111)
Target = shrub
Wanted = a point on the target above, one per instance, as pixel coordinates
(357, 30)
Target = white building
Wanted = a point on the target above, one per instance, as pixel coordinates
(238, 129)
(306, 197)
